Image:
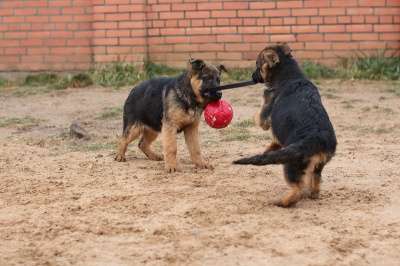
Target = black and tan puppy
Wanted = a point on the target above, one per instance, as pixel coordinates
(303, 137)
(170, 106)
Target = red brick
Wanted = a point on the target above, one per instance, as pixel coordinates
(118, 33)
(304, 29)
(131, 8)
(371, 19)
(360, 11)
(357, 19)
(235, 5)
(387, 28)
(344, 3)
(161, 7)
(185, 6)
(15, 51)
(386, 19)
(289, 4)
(262, 5)
(345, 46)
(309, 37)
(305, 12)
(229, 38)
(249, 22)
(229, 55)
(308, 54)
(332, 11)
(222, 14)
(371, 3)
(303, 20)
(203, 39)
(331, 28)
(262, 38)
(186, 47)
(316, 20)
(276, 29)
(223, 22)
(289, 21)
(173, 31)
(387, 11)
(255, 29)
(364, 36)
(283, 38)
(337, 37)
(389, 36)
(277, 13)
(224, 30)
(237, 47)
(359, 28)
(317, 45)
(132, 41)
(105, 41)
(316, 3)
(372, 45)
(171, 15)
(212, 47)
(330, 20)
(250, 13)
(209, 6)
(177, 39)
(276, 21)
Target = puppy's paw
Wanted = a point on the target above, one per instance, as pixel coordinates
(314, 195)
(171, 168)
(155, 157)
(204, 165)
(283, 204)
(120, 158)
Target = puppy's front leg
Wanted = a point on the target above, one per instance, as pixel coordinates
(169, 132)
(192, 142)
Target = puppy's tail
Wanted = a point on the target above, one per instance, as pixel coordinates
(290, 153)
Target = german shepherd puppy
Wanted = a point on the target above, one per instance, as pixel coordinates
(303, 136)
(170, 106)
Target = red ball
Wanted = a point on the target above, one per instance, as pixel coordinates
(218, 114)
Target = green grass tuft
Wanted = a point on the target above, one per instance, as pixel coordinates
(109, 113)
(244, 123)
(26, 121)
(374, 67)
(237, 74)
(116, 75)
(153, 70)
(317, 71)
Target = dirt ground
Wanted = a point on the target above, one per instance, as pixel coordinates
(66, 201)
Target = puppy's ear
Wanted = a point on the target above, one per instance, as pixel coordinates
(196, 64)
(271, 57)
(222, 68)
(285, 48)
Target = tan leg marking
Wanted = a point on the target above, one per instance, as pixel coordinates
(192, 142)
(133, 133)
(291, 198)
(315, 178)
(273, 146)
(148, 137)
(169, 146)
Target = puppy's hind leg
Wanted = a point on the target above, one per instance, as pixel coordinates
(294, 175)
(148, 137)
(130, 134)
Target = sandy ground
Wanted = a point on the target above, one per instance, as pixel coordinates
(66, 201)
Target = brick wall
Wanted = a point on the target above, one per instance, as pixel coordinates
(74, 34)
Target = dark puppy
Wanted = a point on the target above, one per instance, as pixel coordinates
(303, 137)
(169, 105)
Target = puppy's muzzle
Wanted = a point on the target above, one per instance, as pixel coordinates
(256, 76)
(212, 95)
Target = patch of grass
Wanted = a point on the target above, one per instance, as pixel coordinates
(109, 113)
(235, 134)
(330, 95)
(94, 146)
(374, 67)
(26, 121)
(116, 75)
(244, 123)
(318, 71)
(237, 74)
(4, 82)
(153, 70)
(80, 80)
